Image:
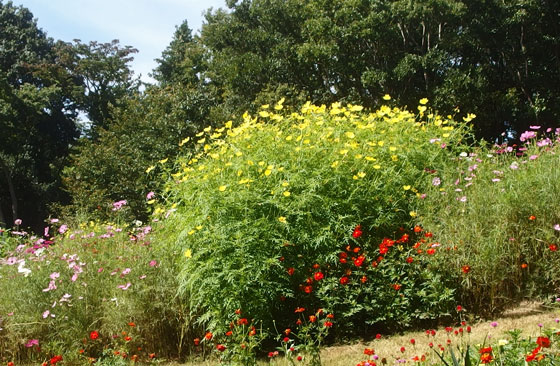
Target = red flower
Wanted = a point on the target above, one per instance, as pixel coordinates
(94, 335)
(431, 251)
(299, 310)
(132, 324)
(344, 280)
(553, 247)
(409, 260)
(286, 339)
(312, 318)
(10, 363)
(221, 347)
(396, 286)
(127, 338)
(543, 342)
(299, 358)
(466, 268)
(369, 352)
(152, 355)
(318, 276)
(403, 349)
(378, 336)
(291, 271)
(287, 331)
(55, 359)
(412, 341)
(532, 218)
(524, 265)
(330, 316)
(229, 333)
(253, 331)
(459, 308)
(328, 324)
(208, 335)
(357, 231)
(308, 289)
(358, 261)
(196, 341)
(242, 321)
(363, 279)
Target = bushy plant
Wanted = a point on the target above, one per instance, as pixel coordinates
(259, 209)
(494, 207)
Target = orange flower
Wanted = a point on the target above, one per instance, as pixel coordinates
(328, 324)
(208, 335)
(409, 260)
(532, 218)
(196, 341)
(128, 338)
(132, 324)
(396, 286)
(299, 310)
(312, 318)
(524, 265)
(466, 268)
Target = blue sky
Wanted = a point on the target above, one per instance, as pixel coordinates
(147, 25)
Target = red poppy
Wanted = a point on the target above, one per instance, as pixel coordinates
(466, 268)
(196, 341)
(318, 276)
(328, 324)
(532, 218)
(94, 335)
(396, 286)
(208, 335)
(221, 347)
(299, 310)
(369, 352)
(291, 271)
(357, 231)
(308, 289)
(409, 260)
(403, 349)
(459, 308)
(299, 358)
(344, 280)
(553, 247)
(412, 341)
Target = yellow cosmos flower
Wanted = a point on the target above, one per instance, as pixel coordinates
(286, 193)
(222, 188)
(188, 253)
(423, 101)
(282, 219)
(150, 168)
(413, 214)
(386, 97)
(163, 161)
(350, 134)
(406, 188)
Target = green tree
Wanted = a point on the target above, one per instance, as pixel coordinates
(36, 118)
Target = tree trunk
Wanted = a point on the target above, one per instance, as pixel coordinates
(13, 196)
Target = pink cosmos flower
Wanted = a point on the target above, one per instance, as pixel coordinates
(17, 222)
(32, 342)
(150, 195)
(124, 287)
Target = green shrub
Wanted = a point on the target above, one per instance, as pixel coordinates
(495, 207)
(284, 192)
(102, 278)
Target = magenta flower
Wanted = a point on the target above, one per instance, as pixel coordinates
(150, 195)
(32, 342)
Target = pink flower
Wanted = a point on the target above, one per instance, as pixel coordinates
(124, 287)
(153, 263)
(17, 222)
(533, 157)
(150, 195)
(63, 228)
(557, 227)
(32, 342)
